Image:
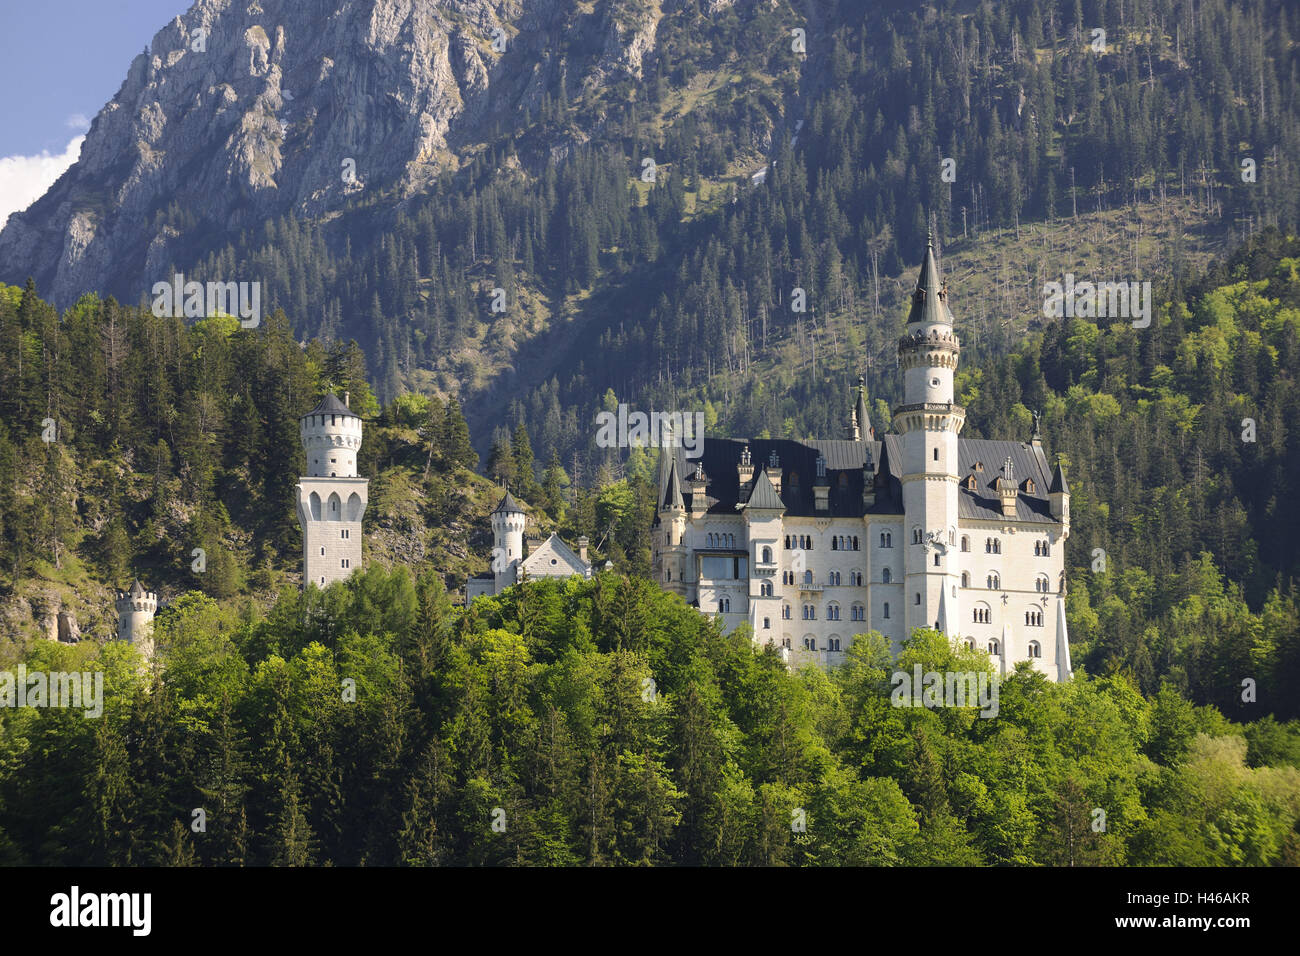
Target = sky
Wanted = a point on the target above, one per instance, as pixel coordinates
(60, 62)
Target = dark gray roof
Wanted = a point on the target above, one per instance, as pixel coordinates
(1058, 480)
(764, 494)
(330, 405)
(673, 493)
(798, 460)
(929, 300)
(508, 503)
(845, 461)
(1027, 462)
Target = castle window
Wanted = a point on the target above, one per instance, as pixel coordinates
(1035, 650)
(344, 563)
(886, 539)
(918, 598)
(856, 578)
(916, 536)
(810, 643)
(936, 454)
(1034, 618)
(807, 577)
(970, 643)
(835, 543)
(965, 542)
(724, 605)
(970, 482)
(767, 623)
(936, 559)
(787, 542)
(886, 576)
(855, 543)
(965, 579)
(980, 614)
(994, 647)
(765, 589)
(858, 612)
(993, 581)
(785, 611)
(322, 552)
(835, 643)
(886, 614)
(832, 612)
(767, 555)
(979, 466)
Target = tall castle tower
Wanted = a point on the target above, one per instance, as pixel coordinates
(135, 611)
(507, 541)
(331, 498)
(928, 422)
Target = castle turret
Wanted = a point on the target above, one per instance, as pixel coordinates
(928, 423)
(331, 497)
(1058, 495)
(508, 520)
(135, 612)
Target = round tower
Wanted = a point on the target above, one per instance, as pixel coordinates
(332, 498)
(331, 435)
(928, 423)
(507, 541)
(135, 612)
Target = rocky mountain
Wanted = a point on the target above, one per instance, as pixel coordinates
(239, 112)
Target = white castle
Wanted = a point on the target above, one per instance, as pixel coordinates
(331, 498)
(135, 613)
(824, 540)
(551, 558)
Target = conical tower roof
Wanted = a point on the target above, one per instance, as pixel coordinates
(331, 405)
(508, 505)
(930, 300)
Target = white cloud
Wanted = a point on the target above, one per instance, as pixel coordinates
(24, 179)
(77, 121)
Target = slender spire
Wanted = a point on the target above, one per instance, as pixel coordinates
(930, 300)
(672, 499)
(860, 411)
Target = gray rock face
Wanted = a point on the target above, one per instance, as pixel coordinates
(241, 111)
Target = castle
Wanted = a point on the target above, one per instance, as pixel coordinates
(551, 558)
(331, 497)
(812, 542)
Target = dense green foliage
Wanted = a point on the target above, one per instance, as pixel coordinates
(603, 722)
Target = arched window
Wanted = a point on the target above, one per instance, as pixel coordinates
(886, 539)
(834, 578)
(1035, 650)
(858, 612)
(810, 643)
(1043, 583)
(994, 582)
(995, 647)
(916, 536)
(785, 612)
(970, 644)
(965, 579)
(767, 623)
(832, 612)
(835, 543)
(886, 576)
(965, 542)
(765, 589)
(767, 555)
(787, 542)
(886, 614)
(997, 546)
(917, 598)
(807, 577)
(855, 543)
(835, 643)
(988, 545)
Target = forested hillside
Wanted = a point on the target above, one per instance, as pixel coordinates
(603, 722)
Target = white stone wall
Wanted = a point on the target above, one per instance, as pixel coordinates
(330, 512)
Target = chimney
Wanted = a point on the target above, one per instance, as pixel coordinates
(346, 396)
(774, 471)
(582, 549)
(745, 470)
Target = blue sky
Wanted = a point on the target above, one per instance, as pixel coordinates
(60, 62)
